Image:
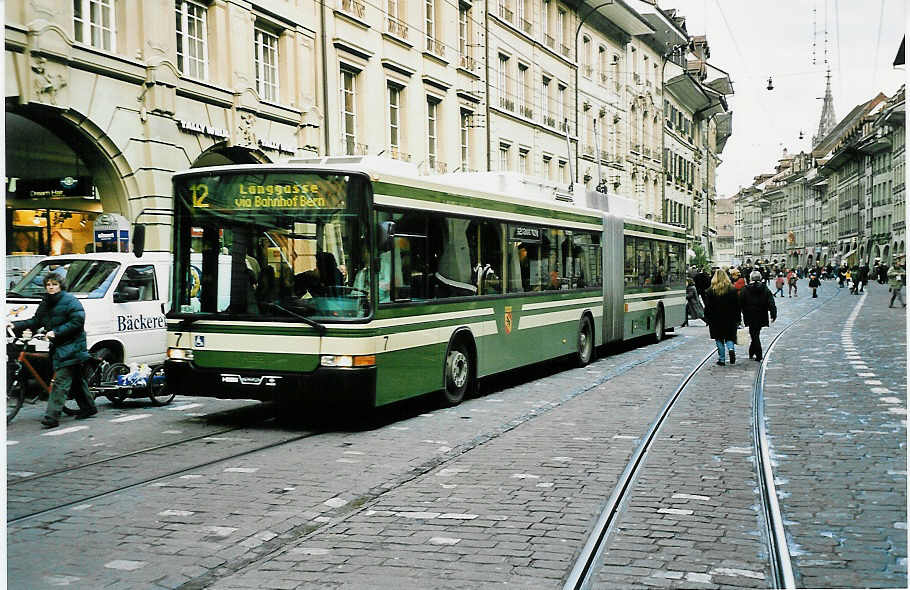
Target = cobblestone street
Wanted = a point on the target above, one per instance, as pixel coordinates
(505, 487)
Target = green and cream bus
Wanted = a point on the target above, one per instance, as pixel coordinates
(354, 281)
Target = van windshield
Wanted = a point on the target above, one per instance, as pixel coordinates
(86, 279)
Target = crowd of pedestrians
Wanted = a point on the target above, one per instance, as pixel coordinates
(726, 300)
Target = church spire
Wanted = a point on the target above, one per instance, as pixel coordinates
(828, 120)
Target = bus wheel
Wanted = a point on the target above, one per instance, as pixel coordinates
(659, 329)
(457, 373)
(585, 342)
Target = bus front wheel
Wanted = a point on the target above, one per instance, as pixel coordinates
(458, 373)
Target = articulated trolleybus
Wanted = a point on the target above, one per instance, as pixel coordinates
(353, 281)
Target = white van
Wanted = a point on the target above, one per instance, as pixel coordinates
(124, 297)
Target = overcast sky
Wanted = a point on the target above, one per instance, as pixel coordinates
(753, 40)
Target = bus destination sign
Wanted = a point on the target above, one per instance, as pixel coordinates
(276, 191)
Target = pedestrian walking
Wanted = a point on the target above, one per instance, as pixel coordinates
(896, 280)
(63, 318)
(736, 278)
(757, 305)
(841, 277)
(863, 276)
(702, 282)
(814, 284)
(779, 284)
(722, 314)
(694, 308)
(791, 284)
(853, 280)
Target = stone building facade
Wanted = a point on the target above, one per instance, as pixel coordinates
(843, 202)
(105, 99)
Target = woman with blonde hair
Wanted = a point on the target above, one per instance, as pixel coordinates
(722, 314)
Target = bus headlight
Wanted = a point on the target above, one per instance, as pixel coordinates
(347, 360)
(179, 354)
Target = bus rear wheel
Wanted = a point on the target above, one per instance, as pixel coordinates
(457, 372)
(585, 342)
(659, 328)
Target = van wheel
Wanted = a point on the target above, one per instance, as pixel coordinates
(659, 330)
(585, 342)
(458, 373)
(106, 354)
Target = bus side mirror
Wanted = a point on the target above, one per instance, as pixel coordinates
(386, 233)
(138, 239)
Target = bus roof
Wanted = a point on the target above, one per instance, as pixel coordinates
(499, 187)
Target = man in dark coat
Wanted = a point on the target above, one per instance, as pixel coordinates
(702, 282)
(63, 318)
(757, 303)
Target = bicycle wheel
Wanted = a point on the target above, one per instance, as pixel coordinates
(157, 388)
(15, 395)
(118, 395)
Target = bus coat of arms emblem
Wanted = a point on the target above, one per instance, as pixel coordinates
(508, 320)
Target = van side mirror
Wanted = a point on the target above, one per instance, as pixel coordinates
(138, 239)
(386, 233)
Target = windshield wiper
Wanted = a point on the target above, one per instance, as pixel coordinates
(319, 327)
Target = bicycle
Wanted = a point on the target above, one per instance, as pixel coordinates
(20, 352)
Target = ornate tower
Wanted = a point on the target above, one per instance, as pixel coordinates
(828, 120)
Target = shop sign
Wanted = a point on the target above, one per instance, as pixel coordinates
(276, 146)
(194, 127)
(49, 188)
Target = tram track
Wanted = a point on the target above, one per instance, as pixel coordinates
(150, 480)
(582, 574)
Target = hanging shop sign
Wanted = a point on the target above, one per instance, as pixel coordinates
(49, 188)
(203, 129)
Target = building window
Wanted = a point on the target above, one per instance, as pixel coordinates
(505, 100)
(266, 59)
(545, 103)
(93, 23)
(586, 56)
(522, 90)
(191, 39)
(523, 161)
(464, 37)
(432, 132)
(394, 119)
(546, 168)
(396, 24)
(465, 140)
(349, 111)
(504, 156)
(545, 23)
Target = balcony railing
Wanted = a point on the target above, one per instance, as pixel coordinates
(527, 26)
(352, 148)
(505, 14)
(466, 62)
(526, 111)
(355, 7)
(507, 103)
(564, 49)
(397, 154)
(605, 155)
(436, 165)
(397, 27)
(549, 121)
(603, 78)
(435, 46)
(589, 71)
(636, 78)
(549, 41)
(647, 151)
(563, 125)
(588, 150)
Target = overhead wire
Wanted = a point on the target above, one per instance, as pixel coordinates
(878, 42)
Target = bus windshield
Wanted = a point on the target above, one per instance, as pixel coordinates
(272, 246)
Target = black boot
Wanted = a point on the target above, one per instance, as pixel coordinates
(732, 357)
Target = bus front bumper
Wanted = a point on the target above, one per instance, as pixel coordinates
(325, 386)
